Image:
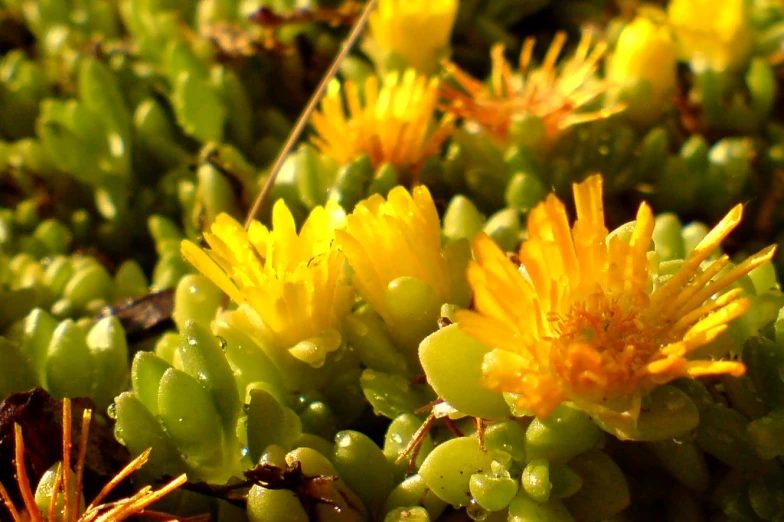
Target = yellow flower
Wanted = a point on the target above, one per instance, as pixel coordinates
(713, 34)
(294, 283)
(399, 237)
(393, 126)
(645, 52)
(545, 92)
(584, 320)
(418, 31)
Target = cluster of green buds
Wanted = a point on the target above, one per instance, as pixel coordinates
(66, 358)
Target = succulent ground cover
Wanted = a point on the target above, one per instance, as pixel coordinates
(521, 265)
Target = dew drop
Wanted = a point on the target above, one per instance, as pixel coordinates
(111, 411)
(475, 511)
(223, 344)
(344, 441)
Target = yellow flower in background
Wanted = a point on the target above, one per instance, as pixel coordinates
(714, 34)
(398, 237)
(551, 93)
(294, 282)
(394, 124)
(584, 321)
(417, 31)
(645, 53)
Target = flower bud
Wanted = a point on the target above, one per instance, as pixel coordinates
(415, 33)
(712, 34)
(643, 67)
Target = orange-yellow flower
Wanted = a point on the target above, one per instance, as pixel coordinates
(552, 94)
(398, 237)
(585, 320)
(294, 282)
(395, 124)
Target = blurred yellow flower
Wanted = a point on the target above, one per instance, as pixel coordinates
(547, 92)
(395, 125)
(714, 34)
(645, 54)
(399, 237)
(417, 31)
(584, 321)
(294, 282)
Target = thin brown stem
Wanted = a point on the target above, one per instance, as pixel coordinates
(303, 119)
(67, 443)
(21, 476)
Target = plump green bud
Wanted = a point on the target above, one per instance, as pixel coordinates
(274, 505)
(763, 359)
(317, 418)
(723, 433)
(357, 458)
(525, 509)
(56, 236)
(314, 464)
(386, 179)
(685, 462)
(400, 432)
(201, 356)
(366, 333)
(38, 329)
(70, 368)
(249, 362)
(191, 94)
(129, 281)
(536, 480)
(766, 498)
(390, 395)
(453, 365)
(448, 468)
(504, 228)
(314, 442)
(766, 435)
(414, 307)
(45, 491)
(565, 434)
(462, 220)
(604, 492)
(507, 436)
(270, 423)
(493, 491)
(138, 429)
(524, 192)
(109, 350)
(413, 491)
(215, 193)
(667, 237)
(352, 182)
(91, 282)
(310, 177)
(666, 413)
(146, 373)
(16, 372)
(188, 415)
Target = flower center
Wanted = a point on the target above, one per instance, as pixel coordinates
(599, 345)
